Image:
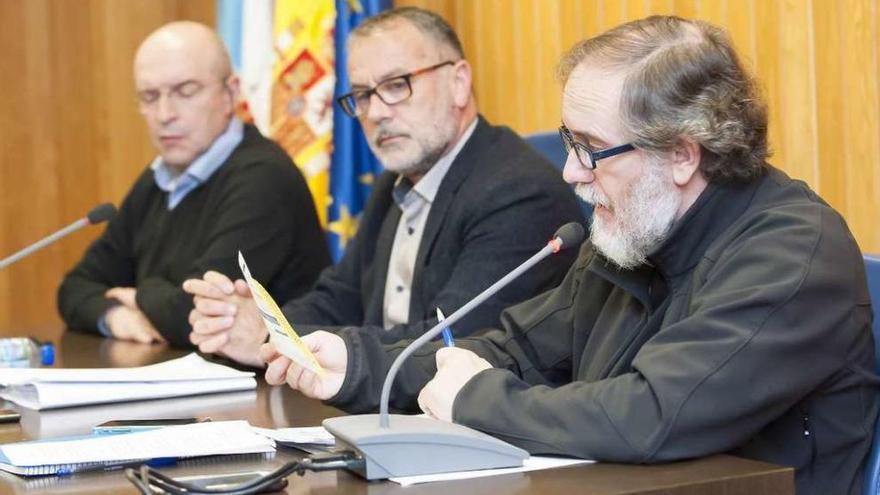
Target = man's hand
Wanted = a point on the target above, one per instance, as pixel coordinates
(455, 367)
(331, 353)
(125, 295)
(225, 319)
(131, 324)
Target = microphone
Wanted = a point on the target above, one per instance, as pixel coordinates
(98, 214)
(413, 445)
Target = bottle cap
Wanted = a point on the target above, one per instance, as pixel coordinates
(47, 354)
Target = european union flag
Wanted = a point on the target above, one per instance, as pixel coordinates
(352, 164)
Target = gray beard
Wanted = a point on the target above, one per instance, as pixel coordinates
(642, 218)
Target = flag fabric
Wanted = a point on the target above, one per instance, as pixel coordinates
(353, 166)
(248, 37)
(302, 90)
(290, 56)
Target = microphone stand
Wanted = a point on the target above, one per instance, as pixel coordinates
(406, 445)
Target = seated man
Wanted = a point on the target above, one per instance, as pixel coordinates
(216, 187)
(720, 306)
(462, 203)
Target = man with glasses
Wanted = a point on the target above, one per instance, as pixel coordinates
(461, 204)
(216, 187)
(720, 306)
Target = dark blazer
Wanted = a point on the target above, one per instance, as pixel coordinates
(499, 203)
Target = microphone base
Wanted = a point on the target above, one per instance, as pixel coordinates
(416, 445)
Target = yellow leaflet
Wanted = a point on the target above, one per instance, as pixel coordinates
(288, 329)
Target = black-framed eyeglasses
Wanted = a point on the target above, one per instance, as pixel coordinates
(587, 155)
(391, 91)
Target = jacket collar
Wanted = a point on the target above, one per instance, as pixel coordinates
(455, 177)
(714, 211)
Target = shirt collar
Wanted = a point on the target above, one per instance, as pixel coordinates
(201, 169)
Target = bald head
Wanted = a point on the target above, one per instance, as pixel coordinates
(185, 42)
(186, 90)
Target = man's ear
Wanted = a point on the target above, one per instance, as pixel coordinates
(233, 85)
(685, 161)
(461, 83)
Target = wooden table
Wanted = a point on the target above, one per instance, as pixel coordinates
(281, 407)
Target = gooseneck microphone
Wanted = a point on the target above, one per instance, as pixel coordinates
(570, 234)
(98, 214)
(402, 445)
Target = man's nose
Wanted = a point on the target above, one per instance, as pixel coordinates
(166, 108)
(575, 172)
(377, 110)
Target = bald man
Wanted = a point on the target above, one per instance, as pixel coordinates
(216, 187)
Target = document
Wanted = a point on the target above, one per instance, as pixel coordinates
(281, 333)
(315, 435)
(47, 388)
(69, 421)
(533, 463)
(102, 451)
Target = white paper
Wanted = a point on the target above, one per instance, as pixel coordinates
(59, 387)
(533, 463)
(199, 439)
(315, 435)
(53, 395)
(186, 368)
(69, 421)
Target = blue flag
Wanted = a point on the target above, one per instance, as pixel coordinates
(352, 165)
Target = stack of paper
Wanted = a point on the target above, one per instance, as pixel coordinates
(103, 451)
(311, 439)
(47, 388)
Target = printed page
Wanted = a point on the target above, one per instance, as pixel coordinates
(281, 333)
(52, 395)
(187, 368)
(300, 435)
(199, 439)
(533, 463)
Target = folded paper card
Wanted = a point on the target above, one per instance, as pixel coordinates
(281, 333)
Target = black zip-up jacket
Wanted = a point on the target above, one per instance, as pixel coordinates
(749, 333)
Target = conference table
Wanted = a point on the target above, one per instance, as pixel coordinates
(277, 407)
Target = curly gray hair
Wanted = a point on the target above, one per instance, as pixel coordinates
(683, 79)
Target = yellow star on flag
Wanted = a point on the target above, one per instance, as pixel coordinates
(345, 227)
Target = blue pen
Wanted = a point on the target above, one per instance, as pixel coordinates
(447, 333)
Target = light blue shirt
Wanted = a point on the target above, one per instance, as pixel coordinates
(200, 170)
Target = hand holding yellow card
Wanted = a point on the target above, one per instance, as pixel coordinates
(281, 333)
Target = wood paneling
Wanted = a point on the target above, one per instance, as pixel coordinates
(70, 134)
(817, 61)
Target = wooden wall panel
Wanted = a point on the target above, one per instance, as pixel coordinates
(70, 134)
(817, 61)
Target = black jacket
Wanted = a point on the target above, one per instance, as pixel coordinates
(256, 202)
(748, 334)
(499, 203)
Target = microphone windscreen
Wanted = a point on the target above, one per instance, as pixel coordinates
(571, 234)
(101, 213)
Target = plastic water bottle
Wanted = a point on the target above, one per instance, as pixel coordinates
(25, 352)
